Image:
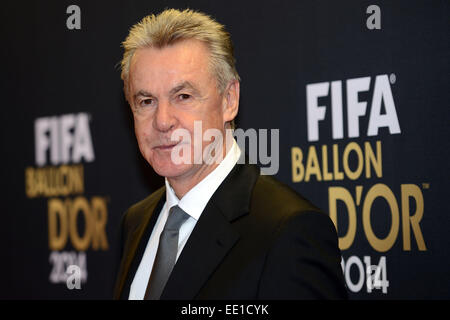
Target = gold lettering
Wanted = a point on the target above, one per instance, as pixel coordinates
(312, 165)
(298, 171)
(370, 159)
(381, 190)
(340, 193)
(411, 190)
(57, 212)
(99, 217)
(80, 204)
(338, 175)
(54, 181)
(353, 146)
(327, 176)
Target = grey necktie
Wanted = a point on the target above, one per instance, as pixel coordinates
(166, 254)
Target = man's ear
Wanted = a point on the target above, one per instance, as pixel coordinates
(231, 101)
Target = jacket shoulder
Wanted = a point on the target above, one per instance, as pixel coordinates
(303, 246)
(279, 198)
(133, 215)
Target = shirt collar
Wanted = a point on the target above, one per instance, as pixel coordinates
(196, 199)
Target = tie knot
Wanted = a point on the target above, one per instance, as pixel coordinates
(176, 218)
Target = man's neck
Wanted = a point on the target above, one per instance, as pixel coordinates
(182, 184)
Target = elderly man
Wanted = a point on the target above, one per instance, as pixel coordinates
(217, 229)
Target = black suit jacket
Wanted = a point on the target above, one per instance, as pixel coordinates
(256, 239)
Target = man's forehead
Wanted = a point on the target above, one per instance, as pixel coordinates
(185, 66)
(182, 53)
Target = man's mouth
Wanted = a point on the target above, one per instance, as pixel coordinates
(166, 146)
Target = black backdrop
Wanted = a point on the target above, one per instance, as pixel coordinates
(55, 77)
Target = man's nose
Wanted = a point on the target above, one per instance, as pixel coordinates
(164, 119)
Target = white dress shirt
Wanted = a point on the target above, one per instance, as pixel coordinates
(193, 204)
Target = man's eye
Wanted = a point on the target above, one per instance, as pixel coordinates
(184, 96)
(146, 102)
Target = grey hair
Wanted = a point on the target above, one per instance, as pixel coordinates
(173, 25)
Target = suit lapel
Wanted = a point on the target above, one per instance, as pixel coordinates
(208, 243)
(136, 243)
(213, 236)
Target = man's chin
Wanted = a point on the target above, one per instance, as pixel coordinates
(170, 170)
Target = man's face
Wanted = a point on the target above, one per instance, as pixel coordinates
(169, 89)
